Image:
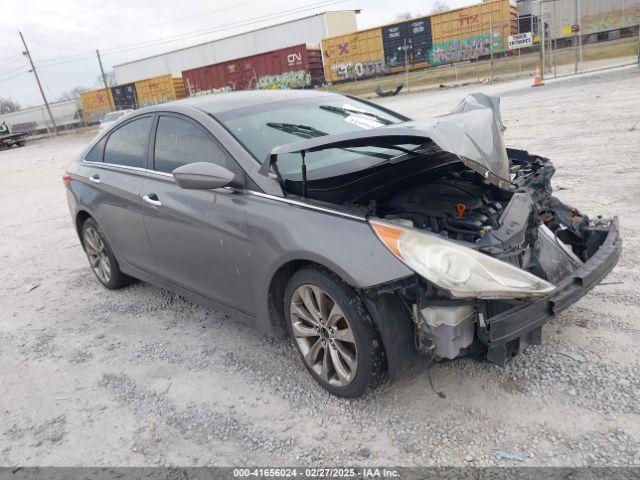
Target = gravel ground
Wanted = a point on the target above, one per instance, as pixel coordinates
(142, 377)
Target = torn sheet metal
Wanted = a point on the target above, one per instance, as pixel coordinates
(472, 131)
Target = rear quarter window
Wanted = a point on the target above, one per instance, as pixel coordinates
(95, 154)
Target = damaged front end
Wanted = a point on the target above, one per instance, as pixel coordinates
(544, 255)
(495, 254)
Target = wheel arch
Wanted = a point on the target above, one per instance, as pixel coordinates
(81, 217)
(386, 311)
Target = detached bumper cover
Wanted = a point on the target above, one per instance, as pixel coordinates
(525, 321)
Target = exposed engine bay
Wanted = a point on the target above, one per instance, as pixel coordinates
(495, 253)
(525, 226)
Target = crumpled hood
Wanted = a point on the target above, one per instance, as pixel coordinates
(472, 131)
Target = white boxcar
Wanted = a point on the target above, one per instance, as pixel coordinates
(36, 119)
(310, 30)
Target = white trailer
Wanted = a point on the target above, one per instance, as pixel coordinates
(34, 120)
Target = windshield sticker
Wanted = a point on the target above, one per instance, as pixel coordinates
(363, 122)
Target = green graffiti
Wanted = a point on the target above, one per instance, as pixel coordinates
(467, 48)
(297, 79)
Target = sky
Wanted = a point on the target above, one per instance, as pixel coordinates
(63, 35)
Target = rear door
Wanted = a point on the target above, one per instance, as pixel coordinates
(198, 236)
(116, 167)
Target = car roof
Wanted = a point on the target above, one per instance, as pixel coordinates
(224, 102)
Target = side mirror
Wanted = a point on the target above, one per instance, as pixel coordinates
(202, 176)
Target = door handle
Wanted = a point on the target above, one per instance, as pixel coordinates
(95, 178)
(152, 199)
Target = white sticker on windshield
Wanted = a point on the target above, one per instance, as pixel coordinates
(363, 122)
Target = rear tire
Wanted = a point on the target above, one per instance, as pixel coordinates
(333, 333)
(101, 258)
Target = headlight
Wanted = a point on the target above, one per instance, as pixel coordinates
(462, 271)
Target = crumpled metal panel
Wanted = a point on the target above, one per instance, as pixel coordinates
(472, 131)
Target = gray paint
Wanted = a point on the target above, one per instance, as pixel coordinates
(223, 245)
(202, 176)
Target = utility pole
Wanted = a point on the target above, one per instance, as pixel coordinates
(542, 37)
(405, 47)
(27, 54)
(491, 44)
(575, 40)
(554, 29)
(104, 80)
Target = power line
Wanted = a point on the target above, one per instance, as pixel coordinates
(164, 40)
(13, 70)
(17, 59)
(203, 14)
(229, 26)
(6, 79)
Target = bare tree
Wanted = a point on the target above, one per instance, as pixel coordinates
(439, 6)
(7, 105)
(72, 94)
(110, 76)
(406, 16)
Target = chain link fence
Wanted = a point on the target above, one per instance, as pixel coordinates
(578, 36)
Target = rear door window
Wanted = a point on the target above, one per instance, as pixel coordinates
(127, 145)
(179, 142)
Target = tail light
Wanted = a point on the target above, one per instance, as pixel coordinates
(66, 179)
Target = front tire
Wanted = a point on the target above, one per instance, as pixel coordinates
(101, 258)
(333, 333)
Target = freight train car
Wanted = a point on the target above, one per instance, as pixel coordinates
(95, 104)
(35, 120)
(468, 33)
(125, 96)
(353, 56)
(162, 89)
(151, 91)
(454, 36)
(377, 51)
(292, 67)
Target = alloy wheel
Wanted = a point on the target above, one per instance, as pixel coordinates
(323, 334)
(97, 254)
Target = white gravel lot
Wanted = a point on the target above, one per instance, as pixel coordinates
(141, 377)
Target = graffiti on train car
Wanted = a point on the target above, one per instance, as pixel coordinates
(25, 127)
(285, 80)
(211, 91)
(351, 71)
(467, 48)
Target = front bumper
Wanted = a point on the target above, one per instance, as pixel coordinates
(511, 331)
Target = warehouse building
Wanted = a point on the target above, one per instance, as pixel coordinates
(307, 30)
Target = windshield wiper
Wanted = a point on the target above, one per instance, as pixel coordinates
(301, 130)
(346, 111)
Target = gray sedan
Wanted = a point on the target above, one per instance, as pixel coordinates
(372, 240)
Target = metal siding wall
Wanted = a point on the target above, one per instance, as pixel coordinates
(339, 23)
(306, 30)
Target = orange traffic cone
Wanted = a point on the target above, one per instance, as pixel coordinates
(537, 81)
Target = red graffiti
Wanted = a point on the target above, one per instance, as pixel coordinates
(468, 19)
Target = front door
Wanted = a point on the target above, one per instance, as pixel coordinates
(198, 236)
